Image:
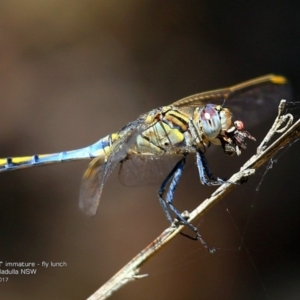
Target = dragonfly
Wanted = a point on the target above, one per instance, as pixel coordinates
(156, 145)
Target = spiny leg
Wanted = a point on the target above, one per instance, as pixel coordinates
(206, 176)
(173, 179)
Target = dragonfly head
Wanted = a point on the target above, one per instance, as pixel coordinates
(218, 127)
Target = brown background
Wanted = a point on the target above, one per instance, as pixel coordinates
(72, 72)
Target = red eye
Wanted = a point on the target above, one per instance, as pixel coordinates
(239, 125)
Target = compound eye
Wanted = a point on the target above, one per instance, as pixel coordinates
(239, 125)
(210, 120)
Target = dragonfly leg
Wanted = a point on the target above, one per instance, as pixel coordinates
(172, 179)
(167, 203)
(206, 176)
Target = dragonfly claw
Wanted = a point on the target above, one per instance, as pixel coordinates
(210, 250)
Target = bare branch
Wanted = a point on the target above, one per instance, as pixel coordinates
(264, 154)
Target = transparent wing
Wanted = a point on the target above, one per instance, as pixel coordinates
(259, 101)
(201, 99)
(101, 167)
(250, 101)
(92, 186)
(137, 170)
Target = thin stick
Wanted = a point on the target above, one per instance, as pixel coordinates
(130, 271)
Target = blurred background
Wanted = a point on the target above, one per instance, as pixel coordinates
(73, 71)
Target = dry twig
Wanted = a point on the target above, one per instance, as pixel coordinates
(264, 154)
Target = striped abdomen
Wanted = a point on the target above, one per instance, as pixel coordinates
(100, 148)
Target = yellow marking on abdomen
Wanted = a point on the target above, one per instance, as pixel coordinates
(15, 160)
